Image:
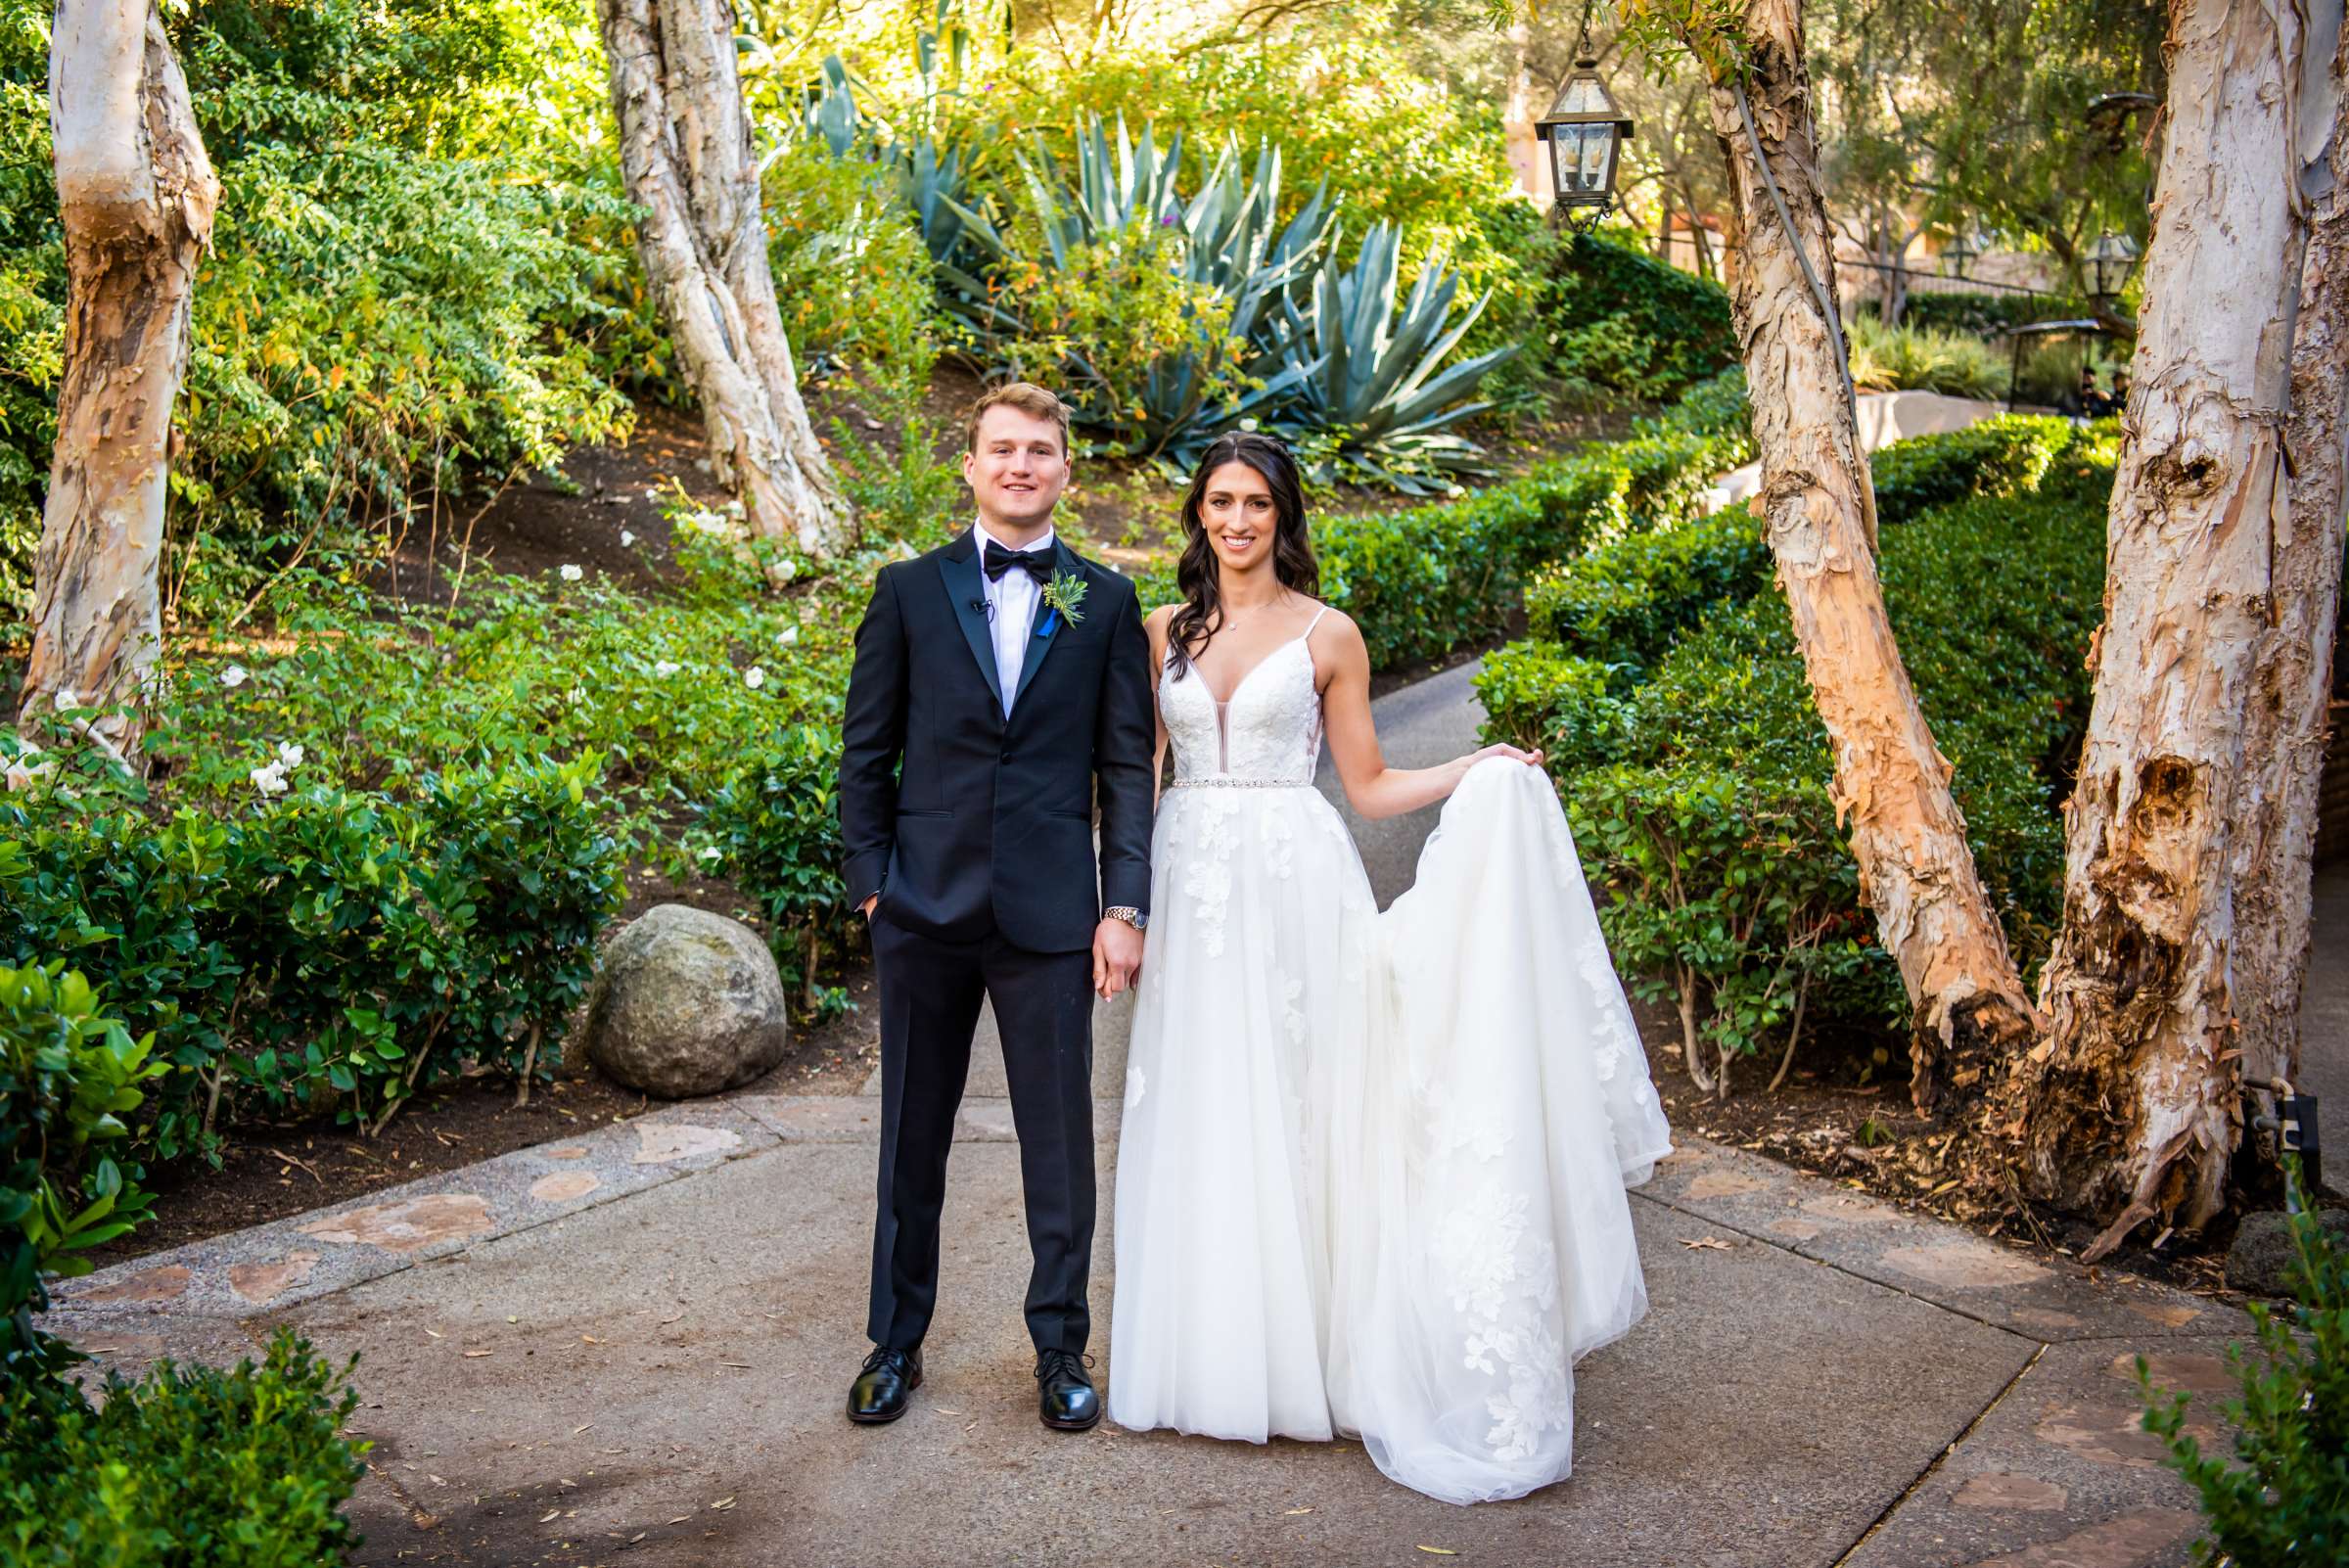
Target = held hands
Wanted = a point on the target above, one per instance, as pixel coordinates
(1116, 956)
(867, 909)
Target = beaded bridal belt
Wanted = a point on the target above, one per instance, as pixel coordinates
(1241, 784)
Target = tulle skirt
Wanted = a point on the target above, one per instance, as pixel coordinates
(1371, 1177)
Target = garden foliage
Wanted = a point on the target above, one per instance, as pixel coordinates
(2284, 1500)
(1664, 684)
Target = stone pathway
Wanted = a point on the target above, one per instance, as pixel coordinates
(632, 1346)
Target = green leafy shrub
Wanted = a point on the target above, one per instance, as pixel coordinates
(69, 1077)
(1696, 770)
(190, 1467)
(1626, 600)
(1913, 358)
(397, 295)
(774, 830)
(1639, 327)
(2284, 1498)
(2008, 454)
(328, 946)
(851, 274)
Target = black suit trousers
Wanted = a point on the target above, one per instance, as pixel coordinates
(931, 989)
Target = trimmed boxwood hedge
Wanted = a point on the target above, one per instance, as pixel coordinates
(1679, 722)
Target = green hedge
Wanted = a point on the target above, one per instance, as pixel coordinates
(1627, 323)
(69, 1077)
(190, 1467)
(1697, 777)
(2008, 454)
(327, 944)
(1624, 601)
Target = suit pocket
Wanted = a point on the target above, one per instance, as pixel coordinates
(925, 816)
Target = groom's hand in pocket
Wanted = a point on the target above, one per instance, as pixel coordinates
(1117, 955)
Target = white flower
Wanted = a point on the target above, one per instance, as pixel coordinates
(289, 757)
(754, 678)
(233, 677)
(627, 539)
(790, 634)
(572, 573)
(269, 780)
(789, 569)
(579, 694)
(711, 852)
(666, 669)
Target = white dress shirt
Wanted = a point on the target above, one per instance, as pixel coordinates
(1010, 610)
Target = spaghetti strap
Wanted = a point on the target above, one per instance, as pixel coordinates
(1311, 625)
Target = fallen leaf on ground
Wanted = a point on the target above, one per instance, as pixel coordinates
(1299, 1510)
(745, 1365)
(577, 1430)
(590, 1339)
(723, 1502)
(1439, 1552)
(436, 1333)
(1708, 1243)
(551, 1513)
(473, 1355)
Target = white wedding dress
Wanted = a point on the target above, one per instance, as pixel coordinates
(1372, 1176)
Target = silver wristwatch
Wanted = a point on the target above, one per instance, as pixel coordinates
(1127, 914)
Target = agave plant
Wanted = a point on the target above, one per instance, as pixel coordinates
(1373, 393)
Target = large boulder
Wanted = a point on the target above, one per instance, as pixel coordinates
(2261, 1260)
(687, 1002)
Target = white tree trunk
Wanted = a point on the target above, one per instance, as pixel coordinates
(137, 195)
(2134, 1100)
(686, 158)
(1917, 871)
(2284, 727)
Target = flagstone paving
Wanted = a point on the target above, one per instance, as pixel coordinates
(630, 1346)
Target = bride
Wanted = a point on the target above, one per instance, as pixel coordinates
(1371, 1178)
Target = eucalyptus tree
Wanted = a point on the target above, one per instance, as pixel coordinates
(136, 193)
(686, 158)
(1891, 782)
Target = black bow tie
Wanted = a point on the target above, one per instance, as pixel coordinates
(1037, 564)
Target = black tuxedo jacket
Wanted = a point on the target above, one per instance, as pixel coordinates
(989, 823)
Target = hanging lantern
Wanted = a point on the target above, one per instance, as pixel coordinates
(1585, 132)
(2110, 260)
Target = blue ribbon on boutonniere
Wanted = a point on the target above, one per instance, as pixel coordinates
(1051, 621)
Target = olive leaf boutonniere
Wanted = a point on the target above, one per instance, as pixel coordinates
(1063, 600)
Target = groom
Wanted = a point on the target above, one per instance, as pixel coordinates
(1010, 679)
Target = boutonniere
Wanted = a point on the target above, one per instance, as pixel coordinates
(1063, 600)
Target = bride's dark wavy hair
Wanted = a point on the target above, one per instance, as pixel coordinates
(1196, 575)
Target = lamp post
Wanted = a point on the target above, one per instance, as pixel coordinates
(1965, 247)
(1585, 132)
(2109, 261)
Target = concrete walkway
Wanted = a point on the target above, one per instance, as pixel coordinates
(632, 1347)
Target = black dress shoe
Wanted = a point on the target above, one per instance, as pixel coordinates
(882, 1389)
(1064, 1394)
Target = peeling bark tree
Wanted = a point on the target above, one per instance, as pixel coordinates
(686, 155)
(137, 195)
(2134, 1100)
(2285, 731)
(1917, 871)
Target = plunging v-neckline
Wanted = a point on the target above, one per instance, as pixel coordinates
(1240, 685)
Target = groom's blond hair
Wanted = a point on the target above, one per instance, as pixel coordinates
(1026, 397)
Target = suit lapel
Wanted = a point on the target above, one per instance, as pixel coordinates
(966, 591)
(1065, 564)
